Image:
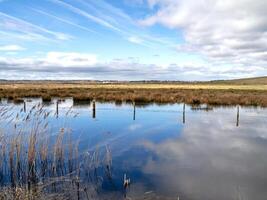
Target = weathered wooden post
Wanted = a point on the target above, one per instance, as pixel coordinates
(24, 106)
(237, 117)
(57, 108)
(93, 109)
(184, 114)
(134, 111)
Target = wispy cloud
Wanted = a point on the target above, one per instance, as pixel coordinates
(86, 15)
(108, 12)
(115, 20)
(135, 40)
(24, 36)
(11, 47)
(64, 20)
(13, 23)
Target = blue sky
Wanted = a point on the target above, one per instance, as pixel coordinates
(132, 39)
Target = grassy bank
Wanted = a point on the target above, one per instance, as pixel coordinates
(194, 93)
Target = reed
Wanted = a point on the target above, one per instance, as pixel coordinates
(43, 155)
(38, 161)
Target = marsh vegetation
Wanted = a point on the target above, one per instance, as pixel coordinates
(194, 93)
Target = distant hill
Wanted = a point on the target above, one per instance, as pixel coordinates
(244, 81)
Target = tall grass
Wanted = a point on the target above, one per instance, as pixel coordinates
(39, 161)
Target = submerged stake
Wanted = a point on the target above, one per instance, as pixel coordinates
(94, 113)
(57, 108)
(24, 106)
(237, 117)
(184, 114)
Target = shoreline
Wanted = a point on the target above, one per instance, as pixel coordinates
(211, 94)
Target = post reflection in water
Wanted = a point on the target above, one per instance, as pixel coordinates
(184, 114)
(237, 117)
(134, 111)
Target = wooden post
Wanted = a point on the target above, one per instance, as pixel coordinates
(134, 111)
(24, 106)
(184, 114)
(237, 117)
(94, 114)
(57, 108)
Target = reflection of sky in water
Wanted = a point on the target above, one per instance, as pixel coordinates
(208, 157)
(213, 159)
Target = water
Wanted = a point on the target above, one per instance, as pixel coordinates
(170, 152)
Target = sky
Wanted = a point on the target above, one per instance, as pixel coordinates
(133, 39)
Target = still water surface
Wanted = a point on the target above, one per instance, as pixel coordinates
(172, 151)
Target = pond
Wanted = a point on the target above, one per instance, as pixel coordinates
(170, 151)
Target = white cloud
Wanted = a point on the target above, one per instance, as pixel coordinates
(135, 39)
(224, 31)
(11, 48)
(51, 61)
(85, 65)
(69, 59)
